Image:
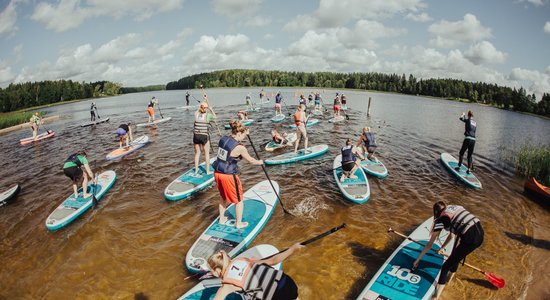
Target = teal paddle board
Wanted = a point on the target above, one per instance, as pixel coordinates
(278, 118)
(71, 208)
(259, 204)
(245, 123)
(356, 190)
(395, 280)
(134, 145)
(451, 163)
(300, 155)
(374, 167)
(188, 183)
(272, 146)
(310, 123)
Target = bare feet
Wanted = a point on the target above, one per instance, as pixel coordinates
(353, 177)
(223, 220)
(86, 196)
(241, 225)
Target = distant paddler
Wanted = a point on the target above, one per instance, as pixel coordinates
(300, 120)
(124, 133)
(201, 141)
(187, 98)
(151, 109)
(35, 122)
(93, 112)
(278, 100)
(469, 140)
(317, 101)
(337, 105)
(249, 104)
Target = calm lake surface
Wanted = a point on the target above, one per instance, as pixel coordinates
(135, 241)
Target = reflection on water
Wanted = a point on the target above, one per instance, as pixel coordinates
(134, 242)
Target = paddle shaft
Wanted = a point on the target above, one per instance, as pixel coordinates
(160, 111)
(94, 199)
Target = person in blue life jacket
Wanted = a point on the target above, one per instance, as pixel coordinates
(368, 142)
(72, 169)
(302, 100)
(468, 235)
(124, 133)
(278, 100)
(350, 160)
(469, 140)
(317, 101)
(201, 141)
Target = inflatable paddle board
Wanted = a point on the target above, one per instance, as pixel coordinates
(356, 190)
(278, 118)
(255, 108)
(99, 121)
(136, 144)
(310, 123)
(300, 155)
(395, 280)
(245, 123)
(337, 119)
(451, 163)
(155, 122)
(317, 112)
(207, 288)
(71, 208)
(9, 195)
(188, 183)
(39, 137)
(189, 107)
(259, 204)
(271, 146)
(373, 167)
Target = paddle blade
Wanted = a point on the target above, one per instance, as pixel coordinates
(495, 280)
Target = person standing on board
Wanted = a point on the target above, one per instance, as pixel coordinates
(350, 160)
(278, 100)
(262, 93)
(226, 171)
(124, 133)
(35, 122)
(203, 116)
(468, 233)
(469, 140)
(300, 121)
(302, 100)
(248, 102)
(344, 101)
(368, 142)
(187, 98)
(336, 106)
(93, 110)
(254, 276)
(151, 109)
(72, 169)
(317, 101)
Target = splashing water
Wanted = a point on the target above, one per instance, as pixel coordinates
(309, 207)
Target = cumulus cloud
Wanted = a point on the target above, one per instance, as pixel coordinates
(534, 2)
(422, 17)
(235, 8)
(8, 18)
(535, 81)
(172, 45)
(452, 34)
(485, 52)
(258, 21)
(547, 27)
(6, 74)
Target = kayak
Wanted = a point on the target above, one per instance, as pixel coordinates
(188, 183)
(9, 195)
(310, 123)
(278, 118)
(271, 146)
(207, 288)
(39, 137)
(259, 204)
(374, 167)
(300, 155)
(245, 123)
(136, 144)
(155, 122)
(95, 122)
(532, 185)
(356, 190)
(337, 119)
(395, 280)
(451, 163)
(71, 208)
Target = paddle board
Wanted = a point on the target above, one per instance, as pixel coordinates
(136, 144)
(207, 288)
(291, 137)
(245, 123)
(39, 137)
(337, 119)
(374, 167)
(9, 195)
(278, 118)
(395, 280)
(259, 204)
(189, 107)
(155, 122)
(71, 208)
(255, 108)
(355, 190)
(317, 112)
(310, 123)
(99, 121)
(451, 163)
(188, 183)
(300, 155)
(343, 107)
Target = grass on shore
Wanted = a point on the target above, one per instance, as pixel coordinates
(534, 161)
(15, 118)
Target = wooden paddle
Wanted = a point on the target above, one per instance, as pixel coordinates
(494, 279)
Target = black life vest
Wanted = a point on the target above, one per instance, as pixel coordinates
(369, 139)
(258, 281)
(225, 163)
(74, 159)
(347, 154)
(125, 127)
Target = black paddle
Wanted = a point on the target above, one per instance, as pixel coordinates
(267, 175)
(94, 199)
(160, 111)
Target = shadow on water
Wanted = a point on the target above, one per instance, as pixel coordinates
(482, 282)
(527, 240)
(141, 296)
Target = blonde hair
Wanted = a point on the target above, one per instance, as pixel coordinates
(217, 261)
(366, 129)
(236, 127)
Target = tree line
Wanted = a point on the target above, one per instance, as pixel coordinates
(479, 92)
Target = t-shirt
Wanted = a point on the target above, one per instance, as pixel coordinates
(69, 164)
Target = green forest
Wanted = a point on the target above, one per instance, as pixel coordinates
(491, 94)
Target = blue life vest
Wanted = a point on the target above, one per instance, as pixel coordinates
(225, 163)
(370, 141)
(347, 154)
(278, 98)
(302, 101)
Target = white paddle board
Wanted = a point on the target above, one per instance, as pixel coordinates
(155, 122)
(356, 190)
(136, 144)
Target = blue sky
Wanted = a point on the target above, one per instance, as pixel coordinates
(144, 42)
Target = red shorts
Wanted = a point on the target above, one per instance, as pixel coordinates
(336, 108)
(229, 186)
(150, 111)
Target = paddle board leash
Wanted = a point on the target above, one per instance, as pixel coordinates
(267, 175)
(493, 279)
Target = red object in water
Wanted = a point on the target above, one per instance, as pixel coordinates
(535, 187)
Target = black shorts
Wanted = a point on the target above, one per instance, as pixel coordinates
(286, 289)
(348, 166)
(200, 139)
(371, 149)
(75, 173)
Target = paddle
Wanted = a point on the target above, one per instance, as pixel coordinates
(210, 107)
(94, 199)
(160, 111)
(267, 175)
(494, 279)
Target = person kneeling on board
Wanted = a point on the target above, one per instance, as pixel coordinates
(461, 224)
(278, 138)
(242, 115)
(124, 132)
(226, 171)
(350, 162)
(72, 169)
(255, 278)
(368, 143)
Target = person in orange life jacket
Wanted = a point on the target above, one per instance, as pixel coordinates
(151, 109)
(278, 138)
(468, 233)
(469, 140)
(230, 150)
(336, 106)
(254, 277)
(201, 142)
(72, 169)
(242, 115)
(278, 100)
(367, 142)
(350, 162)
(300, 121)
(124, 133)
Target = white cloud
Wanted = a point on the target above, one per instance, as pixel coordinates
(452, 34)
(117, 48)
(534, 2)
(268, 36)
(18, 52)
(235, 8)
(422, 17)
(258, 21)
(66, 15)
(535, 81)
(172, 45)
(547, 27)
(548, 70)
(8, 18)
(6, 74)
(485, 52)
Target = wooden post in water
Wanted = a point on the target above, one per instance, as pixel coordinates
(368, 109)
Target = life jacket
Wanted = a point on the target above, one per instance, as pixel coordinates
(125, 127)
(461, 219)
(225, 163)
(347, 154)
(200, 126)
(310, 97)
(302, 100)
(74, 159)
(317, 97)
(278, 98)
(470, 128)
(369, 139)
(258, 281)
(297, 118)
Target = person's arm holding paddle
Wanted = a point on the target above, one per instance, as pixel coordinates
(279, 257)
(243, 152)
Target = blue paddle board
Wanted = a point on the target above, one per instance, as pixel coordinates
(310, 123)
(188, 183)
(136, 144)
(300, 155)
(71, 208)
(259, 204)
(278, 118)
(245, 123)
(451, 163)
(356, 190)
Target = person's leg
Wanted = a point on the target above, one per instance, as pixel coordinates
(127, 140)
(461, 153)
(206, 149)
(34, 131)
(298, 137)
(352, 172)
(218, 178)
(239, 207)
(197, 157)
(471, 145)
(85, 193)
(221, 208)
